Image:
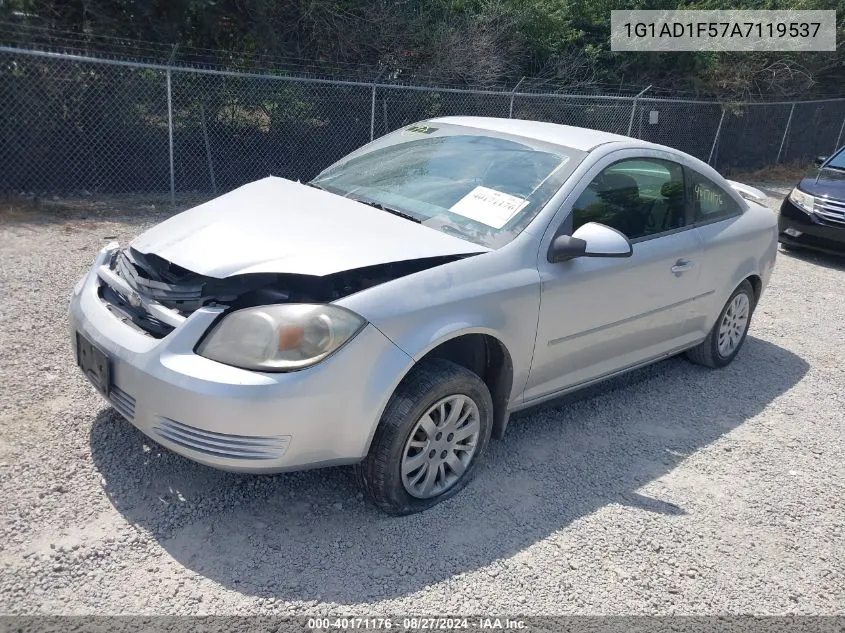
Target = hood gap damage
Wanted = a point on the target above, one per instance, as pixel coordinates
(149, 280)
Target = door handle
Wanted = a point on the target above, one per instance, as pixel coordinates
(681, 266)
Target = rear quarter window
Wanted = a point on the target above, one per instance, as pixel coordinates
(709, 201)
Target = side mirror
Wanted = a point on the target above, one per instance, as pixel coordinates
(820, 160)
(590, 240)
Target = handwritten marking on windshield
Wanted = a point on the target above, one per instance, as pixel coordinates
(488, 206)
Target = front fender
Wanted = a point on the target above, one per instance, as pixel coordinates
(449, 330)
(489, 294)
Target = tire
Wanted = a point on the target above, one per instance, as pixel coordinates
(380, 474)
(708, 351)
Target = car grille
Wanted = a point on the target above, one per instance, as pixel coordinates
(138, 318)
(123, 403)
(832, 211)
(241, 447)
(165, 293)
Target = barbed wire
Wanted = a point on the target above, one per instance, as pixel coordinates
(25, 35)
(118, 48)
(74, 118)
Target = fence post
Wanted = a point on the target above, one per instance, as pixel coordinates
(716, 138)
(170, 125)
(785, 132)
(839, 138)
(170, 139)
(384, 109)
(510, 110)
(373, 106)
(373, 113)
(634, 108)
(208, 151)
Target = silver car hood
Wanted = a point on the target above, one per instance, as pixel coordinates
(279, 226)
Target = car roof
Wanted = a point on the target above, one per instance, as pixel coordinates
(585, 140)
(579, 138)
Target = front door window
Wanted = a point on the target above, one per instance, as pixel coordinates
(638, 197)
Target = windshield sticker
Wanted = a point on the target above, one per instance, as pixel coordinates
(489, 206)
(421, 129)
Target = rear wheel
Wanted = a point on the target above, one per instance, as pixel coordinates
(728, 334)
(433, 432)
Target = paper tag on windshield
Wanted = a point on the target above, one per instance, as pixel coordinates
(489, 206)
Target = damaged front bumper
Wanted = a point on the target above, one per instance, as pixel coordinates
(230, 418)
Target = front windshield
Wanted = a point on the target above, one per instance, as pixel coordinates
(837, 161)
(471, 183)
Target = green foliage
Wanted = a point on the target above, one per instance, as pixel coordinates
(459, 41)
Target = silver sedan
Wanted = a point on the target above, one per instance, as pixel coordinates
(393, 312)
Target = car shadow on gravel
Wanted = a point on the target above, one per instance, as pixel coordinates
(817, 258)
(308, 536)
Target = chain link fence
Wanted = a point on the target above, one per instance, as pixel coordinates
(80, 125)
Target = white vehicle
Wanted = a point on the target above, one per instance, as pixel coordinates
(394, 311)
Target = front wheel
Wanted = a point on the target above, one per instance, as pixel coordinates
(431, 436)
(728, 334)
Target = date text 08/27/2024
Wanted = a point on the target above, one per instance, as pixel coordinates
(415, 623)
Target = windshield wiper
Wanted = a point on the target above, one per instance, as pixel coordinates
(372, 203)
(381, 207)
(454, 230)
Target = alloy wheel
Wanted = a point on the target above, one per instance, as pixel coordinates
(734, 324)
(441, 446)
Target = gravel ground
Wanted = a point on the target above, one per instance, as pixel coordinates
(678, 490)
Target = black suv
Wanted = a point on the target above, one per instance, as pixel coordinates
(813, 214)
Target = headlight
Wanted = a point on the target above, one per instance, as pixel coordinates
(280, 337)
(802, 200)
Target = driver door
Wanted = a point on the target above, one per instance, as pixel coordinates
(600, 315)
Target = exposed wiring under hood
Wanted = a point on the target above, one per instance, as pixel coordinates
(159, 282)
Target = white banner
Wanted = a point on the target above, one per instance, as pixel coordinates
(790, 30)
